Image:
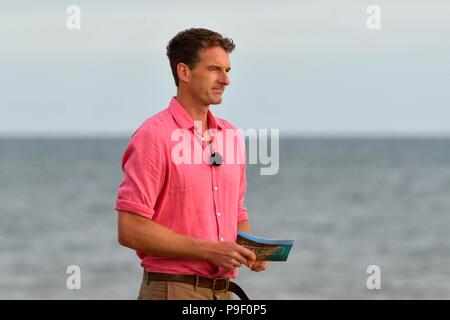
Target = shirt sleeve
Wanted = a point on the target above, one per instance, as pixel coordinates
(143, 168)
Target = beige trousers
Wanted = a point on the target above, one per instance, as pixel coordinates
(170, 290)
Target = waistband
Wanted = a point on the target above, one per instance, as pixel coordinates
(217, 285)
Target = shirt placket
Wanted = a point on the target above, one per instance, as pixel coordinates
(218, 213)
(215, 191)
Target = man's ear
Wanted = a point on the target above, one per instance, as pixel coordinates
(183, 72)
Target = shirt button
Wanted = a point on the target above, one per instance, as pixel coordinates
(221, 239)
(215, 188)
(218, 213)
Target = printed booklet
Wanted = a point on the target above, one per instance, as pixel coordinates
(265, 249)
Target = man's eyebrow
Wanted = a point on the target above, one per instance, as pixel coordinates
(217, 66)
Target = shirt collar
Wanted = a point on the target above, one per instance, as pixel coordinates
(185, 121)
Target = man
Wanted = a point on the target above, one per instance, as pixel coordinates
(182, 218)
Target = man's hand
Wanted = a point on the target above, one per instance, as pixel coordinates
(259, 266)
(230, 255)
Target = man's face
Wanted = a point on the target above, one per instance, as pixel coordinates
(209, 77)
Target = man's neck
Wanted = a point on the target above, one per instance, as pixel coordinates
(196, 111)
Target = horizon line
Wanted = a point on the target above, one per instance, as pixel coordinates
(283, 134)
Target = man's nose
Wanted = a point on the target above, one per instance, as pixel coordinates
(224, 79)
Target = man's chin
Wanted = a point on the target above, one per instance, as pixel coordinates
(212, 99)
(216, 100)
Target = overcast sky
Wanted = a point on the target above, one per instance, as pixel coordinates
(306, 67)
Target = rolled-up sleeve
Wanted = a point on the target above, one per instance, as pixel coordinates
(143, 166)
(242, 210)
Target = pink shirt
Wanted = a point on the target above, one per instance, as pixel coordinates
(197, 200)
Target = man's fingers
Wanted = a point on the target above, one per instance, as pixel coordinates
(249, 254)
(229, 266)
(260, 266)
(236, 264)
(241, 259)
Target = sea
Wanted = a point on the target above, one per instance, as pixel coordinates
(370, 217)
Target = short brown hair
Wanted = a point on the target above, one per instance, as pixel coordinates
(185, 46)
